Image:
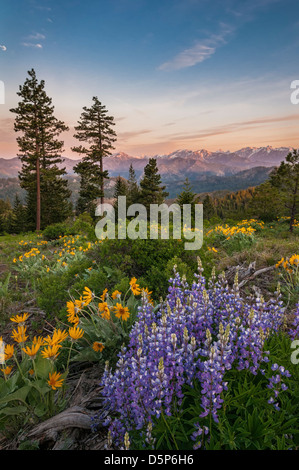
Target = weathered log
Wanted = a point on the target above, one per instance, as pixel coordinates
(255, 274)
(74, 417)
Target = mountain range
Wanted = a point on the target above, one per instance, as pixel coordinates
(188, 162)
(206, 170)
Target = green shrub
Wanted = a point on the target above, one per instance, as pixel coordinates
(150, 261)
(52, 232)
(83, 225)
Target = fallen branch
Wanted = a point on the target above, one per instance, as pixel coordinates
(75, 417)
(255, 274)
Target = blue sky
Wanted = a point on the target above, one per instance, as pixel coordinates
(174, 74)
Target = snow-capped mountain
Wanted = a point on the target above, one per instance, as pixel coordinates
(180, 163)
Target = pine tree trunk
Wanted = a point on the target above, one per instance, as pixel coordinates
(101, 161)
(102, 181)
(38, 203)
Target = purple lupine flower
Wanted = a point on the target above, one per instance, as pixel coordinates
(197, 334)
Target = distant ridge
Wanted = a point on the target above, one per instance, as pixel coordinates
(176, 164)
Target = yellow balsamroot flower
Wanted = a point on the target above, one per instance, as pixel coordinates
(134, 286)
(55, 381)
(31, 352)
(122, 312)
(20, 318)
(73, 319)
(88, 295)
(73, 308)
(148, 294)
(57, 337)
(38, 340)
(279, 263)
(51, 352)
(290, 265)
(7, 370)
(294, 260)
(104, 295)
(75, 333)
(97, 346)
(19, 335)
(104, 310)
(8, 351)
(115, 294)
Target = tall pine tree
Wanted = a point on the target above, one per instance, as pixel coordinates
(187, 195)
(151, 189)
(19, 219)
(120, 189)
(208, 207)
(133, 189)
(95, 127)
(40, 176)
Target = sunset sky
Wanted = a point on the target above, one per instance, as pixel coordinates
(175, 74)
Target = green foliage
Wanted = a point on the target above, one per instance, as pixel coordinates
(5, 294)
(150, 260)
(83, 225)
(246, 420)
(19, 216)
(286, 179)
(7, 218)
(266, 203)
(233, 205)
(54, 231)
(208, 208)
(26, 396)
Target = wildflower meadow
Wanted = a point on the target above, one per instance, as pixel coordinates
(188, 359)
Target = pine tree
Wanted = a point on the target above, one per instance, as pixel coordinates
(133, 189)
(286, 179)
(95, 128)
(19, 216)
(266, 203)
(120, 189)
(40, 153)
(6, 216)
(208, 207)
(150, 185)
(187, 195)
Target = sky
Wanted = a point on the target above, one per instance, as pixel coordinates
(174, 74)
